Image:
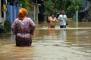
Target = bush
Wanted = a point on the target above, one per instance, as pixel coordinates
(7, 26)
(1, 29)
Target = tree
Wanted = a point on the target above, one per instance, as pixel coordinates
(68, 5)
(48, 6)
(56, 5)
(25, 3)
(52, 6)
(75, 6)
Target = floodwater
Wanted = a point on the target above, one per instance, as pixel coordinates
(49, 44)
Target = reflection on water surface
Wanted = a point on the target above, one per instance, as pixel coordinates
(49, 44)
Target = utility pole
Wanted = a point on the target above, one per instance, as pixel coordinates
(34, 2)
(34, 12)
(0, 12)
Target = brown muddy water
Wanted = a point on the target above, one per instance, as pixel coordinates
(49, 44)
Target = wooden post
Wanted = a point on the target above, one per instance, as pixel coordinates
(76, 18)
(0, 11)
(34, 12)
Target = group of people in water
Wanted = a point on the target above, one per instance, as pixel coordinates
(23, 27)
(53, 20)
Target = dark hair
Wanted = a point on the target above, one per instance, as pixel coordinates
(62, 11)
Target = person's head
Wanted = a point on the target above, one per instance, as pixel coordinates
(52, 15)
(63, 12)
(22, 13)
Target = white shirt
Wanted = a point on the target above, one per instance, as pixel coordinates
(63, 19)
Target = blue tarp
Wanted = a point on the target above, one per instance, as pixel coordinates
(12, 12)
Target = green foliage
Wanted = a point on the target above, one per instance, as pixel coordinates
(26, 4)
(53, 6)
(67, 5)
(23, 2)
(75, 5)
(49, 6)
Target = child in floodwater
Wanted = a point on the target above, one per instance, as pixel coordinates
(23, 27)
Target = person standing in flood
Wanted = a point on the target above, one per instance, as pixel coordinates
(63, 19)
(52, 21)
(23, 27)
